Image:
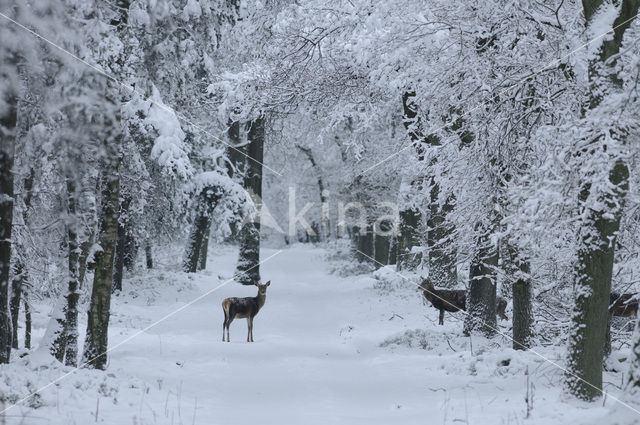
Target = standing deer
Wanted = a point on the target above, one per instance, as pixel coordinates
(453, 300)
(244, 308)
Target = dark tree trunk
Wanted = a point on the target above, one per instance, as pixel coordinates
(248, 268)
(365, 244)
(7, 144)
(27, 323)
(206, 203)
(442, 254)
(20, 275)
(481, 298)
(14, 303)
(96, 344)
(148, 255)
(407, 238)
(522, 311)
(121, 246)
(382, 245)
(596, 251)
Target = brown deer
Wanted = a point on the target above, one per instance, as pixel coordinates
(244, 308)
(622, 305)
(453, 300)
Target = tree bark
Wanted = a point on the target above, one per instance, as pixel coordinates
(207, 199)
(407, 238)
(148, 255)
(481, 298)
(442, 254)
(71, 309)
(121, 245)
(20, 275)
(522, 311)
(382, 245)
(96, 344)
(248, 268)
(8, 121)
(326, 224)
(600, 227)
(202, 260)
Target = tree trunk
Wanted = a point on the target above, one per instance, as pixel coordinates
(96, 344)
(248, 268)
(121, 245)
(522, 311)
(71, 309)
(442, 254)
(27, 323)
(481, 298)
(598, 233)
(20, 274)
(7, 146)
(202, 260)
(407, 238)
(326, 225)
(207, 199)
(148, 255)
(382, 245)
(593, 286)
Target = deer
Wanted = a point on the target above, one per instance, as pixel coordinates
(453, 300)
(622, 305)
(244, 308)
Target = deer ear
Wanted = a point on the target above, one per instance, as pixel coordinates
(268, 283)
(255, 282)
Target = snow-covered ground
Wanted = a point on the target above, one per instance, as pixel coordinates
(328, 350)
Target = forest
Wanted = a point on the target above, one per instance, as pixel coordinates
(427, 211)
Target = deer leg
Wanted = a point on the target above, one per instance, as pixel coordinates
(231, 317)
(251, 329)
(441, 321)
(224, 325)
(248, 329)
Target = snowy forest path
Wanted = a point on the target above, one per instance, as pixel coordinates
(316, 340)
(332, 349)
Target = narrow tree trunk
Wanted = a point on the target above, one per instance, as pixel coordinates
(248, 268)
(481, 298)
(121, 245)
(148, 255)
(27, 323)
(8, 119)
(202, 261)
(96, 344)
(14, 303)
(206, 203)
(326, 225)
(20, 274)
(522, 312)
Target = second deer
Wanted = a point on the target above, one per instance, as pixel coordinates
(244, 308)
(623, 305)
(453, 300)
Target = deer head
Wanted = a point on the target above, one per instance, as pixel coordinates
(262, 289)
